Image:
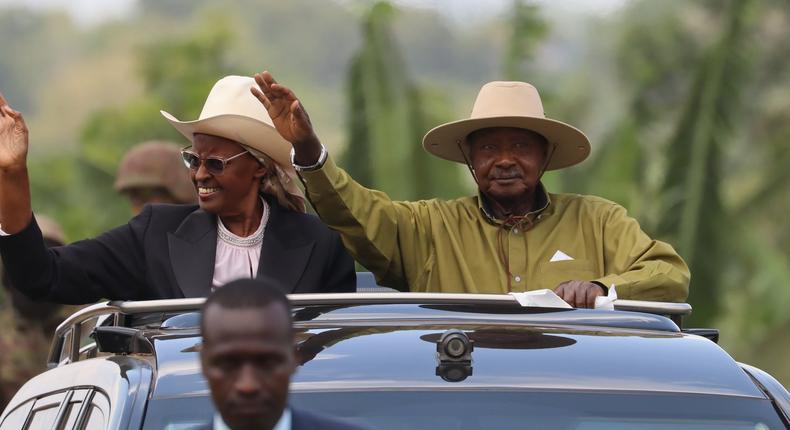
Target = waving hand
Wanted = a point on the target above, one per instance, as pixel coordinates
(289, 117)
(13, 137)
(15, 211)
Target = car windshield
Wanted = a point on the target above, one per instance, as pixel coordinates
(483, 409)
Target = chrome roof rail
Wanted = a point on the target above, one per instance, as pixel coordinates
(297, 300)
(70, 328)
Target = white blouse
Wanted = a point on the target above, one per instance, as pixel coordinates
(237, 257)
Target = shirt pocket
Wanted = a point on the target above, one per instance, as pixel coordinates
(550, 274)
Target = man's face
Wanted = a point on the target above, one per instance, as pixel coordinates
(507, 162)
(248, 359)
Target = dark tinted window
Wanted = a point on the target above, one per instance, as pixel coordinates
(179, 413)
(481, 409)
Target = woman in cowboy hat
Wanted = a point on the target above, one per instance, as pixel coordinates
(513, 236)
(250, 221)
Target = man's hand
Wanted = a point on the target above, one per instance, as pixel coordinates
(13, 137)
(579, 294)
(289, 118)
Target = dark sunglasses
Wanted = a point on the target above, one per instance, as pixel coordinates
(215, 165)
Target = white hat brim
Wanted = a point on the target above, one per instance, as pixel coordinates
(243, 129)
(571, 146)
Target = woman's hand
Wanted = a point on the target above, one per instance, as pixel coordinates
(13, 137)
(289, 118)
(15, 212)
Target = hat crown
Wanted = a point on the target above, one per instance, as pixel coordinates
(231, 96)
(505, 99)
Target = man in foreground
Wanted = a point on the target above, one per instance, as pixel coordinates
(248, 357)
(513, 236)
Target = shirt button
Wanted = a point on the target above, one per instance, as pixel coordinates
(540, 216)
(517, 278)
(515, 231)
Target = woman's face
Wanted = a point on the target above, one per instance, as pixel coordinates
(234, 192)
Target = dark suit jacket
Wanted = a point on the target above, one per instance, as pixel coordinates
(168, 251)
(302, 420)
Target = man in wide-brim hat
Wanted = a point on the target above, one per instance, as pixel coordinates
(512, 236)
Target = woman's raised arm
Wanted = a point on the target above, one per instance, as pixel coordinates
(15, 209)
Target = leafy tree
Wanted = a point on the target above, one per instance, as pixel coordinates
(528, 29)
(178, 75)
(695, 214)
(388, 116)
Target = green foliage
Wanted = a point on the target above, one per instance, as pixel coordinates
(181, 72)
(22, 65)
(388, 119)
(178, 75)
(528, 30)
(695, 215)
(616, 171)
(686, 103)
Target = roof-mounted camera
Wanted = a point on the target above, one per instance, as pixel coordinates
(454, 355)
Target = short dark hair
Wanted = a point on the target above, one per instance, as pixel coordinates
(248, 294)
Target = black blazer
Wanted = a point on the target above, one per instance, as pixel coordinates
(302, 420)
(168, 251)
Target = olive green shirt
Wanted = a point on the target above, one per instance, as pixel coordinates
(455, 246)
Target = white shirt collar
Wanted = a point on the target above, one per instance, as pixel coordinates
(283, 424)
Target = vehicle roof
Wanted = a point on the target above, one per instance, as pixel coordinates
(392, 346)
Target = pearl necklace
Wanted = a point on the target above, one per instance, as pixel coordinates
(253, 240)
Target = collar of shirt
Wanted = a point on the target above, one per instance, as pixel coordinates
(542, 200)
(283, 424)
(238, 257)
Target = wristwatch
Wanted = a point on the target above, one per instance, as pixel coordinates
(318, 164)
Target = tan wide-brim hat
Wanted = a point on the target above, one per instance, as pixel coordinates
(509, 104)
(232, 112)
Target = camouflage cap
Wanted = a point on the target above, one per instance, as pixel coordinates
(156, 164)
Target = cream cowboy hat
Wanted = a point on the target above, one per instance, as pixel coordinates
(232, 112)
(509, 104)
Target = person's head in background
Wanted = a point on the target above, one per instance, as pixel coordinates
(153, 172)
(22, 305)
(248, 353)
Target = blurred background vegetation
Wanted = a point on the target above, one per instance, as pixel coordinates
(686, 103)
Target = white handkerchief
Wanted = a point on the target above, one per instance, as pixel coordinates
(606, 302)
(540, 299)
(560, 256)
